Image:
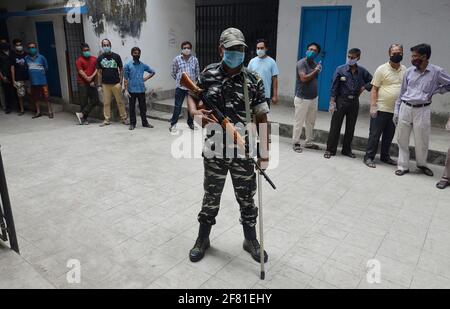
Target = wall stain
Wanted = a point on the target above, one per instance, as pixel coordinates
(126, 16)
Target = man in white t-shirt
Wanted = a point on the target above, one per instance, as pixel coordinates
(267, 69)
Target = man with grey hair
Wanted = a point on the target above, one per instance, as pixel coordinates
(386, 83)
(239, 94)
(413, 107)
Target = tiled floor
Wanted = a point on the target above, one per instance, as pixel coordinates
(118, 202)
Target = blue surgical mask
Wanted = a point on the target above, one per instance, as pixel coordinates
(311, 55)
(261, 53)
(352, 62)
(32, 51)
(86, 54)
(233, 59)
(106, 49)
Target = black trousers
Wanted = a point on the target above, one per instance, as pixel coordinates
(384, 126)
(142, 107)
(10, 97)
(348, 109)
(88, 99)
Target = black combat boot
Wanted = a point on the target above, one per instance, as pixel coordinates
(201, 245)
(251, 244)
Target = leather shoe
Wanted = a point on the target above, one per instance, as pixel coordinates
(349, 154)
(390, 162)
(426, 171)
(401, 172)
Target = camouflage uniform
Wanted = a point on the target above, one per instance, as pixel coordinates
(227, 94)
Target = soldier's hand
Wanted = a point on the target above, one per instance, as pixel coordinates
(203, 117)
(263, 163)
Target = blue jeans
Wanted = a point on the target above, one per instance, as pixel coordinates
(180, 95)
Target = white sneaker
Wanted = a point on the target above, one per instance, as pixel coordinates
(80, 118)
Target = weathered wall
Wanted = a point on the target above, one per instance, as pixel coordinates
(165, 25)
(405, 21)
(158, 27)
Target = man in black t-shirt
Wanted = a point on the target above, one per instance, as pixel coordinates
(19, 73)
(110, 72)
(5, 77)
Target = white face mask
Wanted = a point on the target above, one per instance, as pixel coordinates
(261, 53)
(186, 52)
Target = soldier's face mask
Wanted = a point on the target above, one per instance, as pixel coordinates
(233, 59)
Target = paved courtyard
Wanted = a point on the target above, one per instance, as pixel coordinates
(118, 202)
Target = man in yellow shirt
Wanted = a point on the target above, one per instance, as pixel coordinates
(387, 83)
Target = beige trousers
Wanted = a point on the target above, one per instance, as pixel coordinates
(305, 115)
(417, 121)
(108, 92)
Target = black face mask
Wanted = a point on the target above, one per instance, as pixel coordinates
(136, 58)
(397, 58)
(4, 47)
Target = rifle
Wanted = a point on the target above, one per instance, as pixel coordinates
(224, 121)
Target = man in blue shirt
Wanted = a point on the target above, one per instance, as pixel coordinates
(37, 69)
(349, 82)
(135, 87)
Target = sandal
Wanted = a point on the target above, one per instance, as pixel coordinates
(327, 155)
(37, 116)
(443, 184)
(370, 163)
(298, 148)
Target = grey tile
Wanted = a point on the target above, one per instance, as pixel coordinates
(183, 276)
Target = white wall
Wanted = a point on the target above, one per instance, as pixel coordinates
(408, 22)
(169, 23)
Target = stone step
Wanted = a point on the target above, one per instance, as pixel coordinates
(158, 115)
(282, 115)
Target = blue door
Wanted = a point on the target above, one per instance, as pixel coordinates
(47, 48)
(328, 26)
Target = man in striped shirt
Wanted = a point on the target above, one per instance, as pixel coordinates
(185, 62)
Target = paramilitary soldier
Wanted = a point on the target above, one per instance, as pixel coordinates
(223, 85)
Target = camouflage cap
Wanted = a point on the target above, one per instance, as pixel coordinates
(232, 37)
